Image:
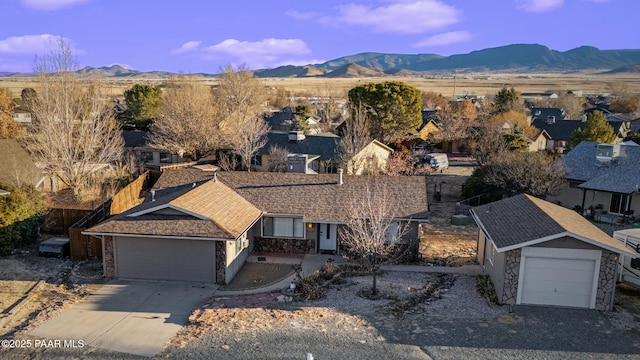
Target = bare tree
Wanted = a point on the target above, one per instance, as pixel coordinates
(572, 105)
(240, 98)
(355, 136)
(187, 125)
(327, 106)
(373, 236)
(277, 159)
(74, 135)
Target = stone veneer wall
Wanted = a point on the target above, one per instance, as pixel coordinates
(606, 281)
(221, 262)
(109, 263)
(511, 274)
(287, 246)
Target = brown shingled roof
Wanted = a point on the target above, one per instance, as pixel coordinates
(524, 220)
(211, 210)
(318, 197)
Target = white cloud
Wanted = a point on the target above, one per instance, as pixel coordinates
(301, 15)
(405, 17)
(538, 6)
(32, 44)
(444, 39)
(48, 5)
(266, 47)
(189, 46)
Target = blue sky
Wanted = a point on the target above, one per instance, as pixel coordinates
(205, 35)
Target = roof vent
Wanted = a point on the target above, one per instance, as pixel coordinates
(551, 119)
(153, 195)
(538, 113)
(296, 136)
(340, 177)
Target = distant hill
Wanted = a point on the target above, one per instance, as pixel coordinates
(513, 58)
(353, 70)
(291, 71)
(625, 69)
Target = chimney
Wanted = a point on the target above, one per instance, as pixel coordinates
(296, 136)
(340, 180)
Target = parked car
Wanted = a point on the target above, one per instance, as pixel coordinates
(54, 247)
(437, 161)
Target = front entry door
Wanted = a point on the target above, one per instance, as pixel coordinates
(328, 237)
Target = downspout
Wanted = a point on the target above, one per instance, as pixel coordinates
(584, 196)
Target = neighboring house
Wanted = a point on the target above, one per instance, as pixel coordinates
(312, 153)
(539, 141)
(430, 124)
(280, 121)
(547, 114)
(146, 156)
(540, 253)
(559, 131)
(16, 167)
(200, 225)
(21, 112)
(371, 160)
(605, 177)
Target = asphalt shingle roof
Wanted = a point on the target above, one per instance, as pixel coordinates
(236, 197)
(212, 209)
(324, 146)
(16, 166)
(516, 221)
(135, 138)
(622, 175)
(560, 130)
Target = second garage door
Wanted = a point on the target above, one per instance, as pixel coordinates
(562, 277)
(165, 259)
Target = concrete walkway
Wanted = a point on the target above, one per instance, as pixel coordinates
(134, 317)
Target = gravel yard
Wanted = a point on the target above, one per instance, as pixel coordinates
(454, 322)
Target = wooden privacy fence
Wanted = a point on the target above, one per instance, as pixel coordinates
(85, 247)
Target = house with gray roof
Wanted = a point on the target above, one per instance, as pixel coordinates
(540, 253)
(603, 180)
(200, 225)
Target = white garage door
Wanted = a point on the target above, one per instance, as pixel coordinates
(562, 277)
(165, 259)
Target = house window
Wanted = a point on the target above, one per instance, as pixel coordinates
(283, 227)
(165, 158)
(256, 160)
(619, 203)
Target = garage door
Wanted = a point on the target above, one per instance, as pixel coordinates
(562, 277)
(165, 259)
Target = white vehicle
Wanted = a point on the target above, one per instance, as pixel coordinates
(628, 267)
(437, 161)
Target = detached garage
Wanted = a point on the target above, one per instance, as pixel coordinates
(539, 253)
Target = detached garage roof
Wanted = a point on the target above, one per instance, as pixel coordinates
(525, 220)
(210, 210)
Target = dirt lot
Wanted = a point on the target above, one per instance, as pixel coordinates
(442, 243)
(34, 289)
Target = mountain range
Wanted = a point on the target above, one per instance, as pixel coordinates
(511, 58)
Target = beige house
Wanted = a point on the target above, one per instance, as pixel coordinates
(372, 159)
(199, 225)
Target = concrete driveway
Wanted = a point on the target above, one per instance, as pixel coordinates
(135, 317)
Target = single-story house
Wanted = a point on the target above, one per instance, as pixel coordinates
(540, 253)
(21, 112)
(281, 121)
(602, 179)
(371, 160)
(538, 142)
(16, 166)
(198, 225)
(317, 153)
(138, 148)
(430, 124)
